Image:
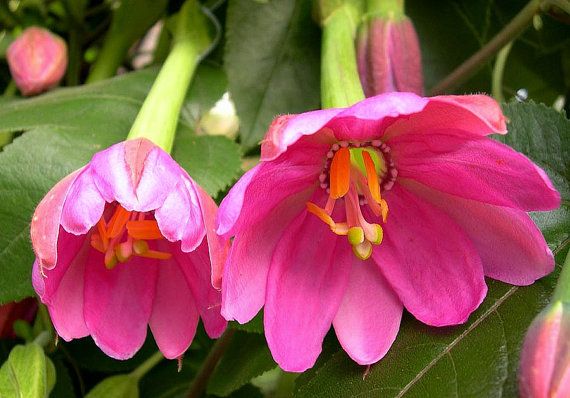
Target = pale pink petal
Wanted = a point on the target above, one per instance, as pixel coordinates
(84, 205)
(286, 130)
(265, 186)
(460, 115)
(118, 303)
(429, 261)
(197, 270)
(306, 282)
(368, 318)
(245, 271)
(368, 119)
(511, 247)
(44, 229)
(480, 169)
(218, 246)
(174, 315)
(112, 176)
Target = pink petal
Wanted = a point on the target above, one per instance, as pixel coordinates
(460, 115)
(44, 229)
(306, 282)
(174, 315)
(368, 119)
(406, 57)
(286, 130)
(429, 261)
(381, 70)
(368, 319)
(511, 247)
(245, 272)
(218, 246)
(197, 270)
(478, 169)
(118, 303)
(84, 205)
(265, 186)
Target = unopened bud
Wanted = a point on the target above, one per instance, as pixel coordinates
(388, 55)
(37, 60)
(221, 119)
(545, 357)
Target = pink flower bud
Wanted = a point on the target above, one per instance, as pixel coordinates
(545, 358)
(11, 312)
(388, 56)
(37, 60)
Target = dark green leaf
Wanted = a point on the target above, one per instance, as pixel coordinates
(63, 131)
(272, 62)
(121, 386)
(27, 373)
(246, 358)
(480, 358)
(253, 326)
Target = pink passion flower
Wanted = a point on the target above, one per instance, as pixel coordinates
(125, 242)
(353, 214)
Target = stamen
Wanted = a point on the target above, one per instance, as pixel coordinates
(337, 228)
(363, 251)
(118, 221)
(145, 229)
(156, 254)
(371, 176)
(102, 228)
(340, 173)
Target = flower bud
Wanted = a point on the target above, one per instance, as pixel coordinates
(388, 55)
(37, 60)
(545, 357)
(221, 119)
(11, 312)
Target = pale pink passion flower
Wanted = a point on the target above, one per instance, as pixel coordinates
(37, 60)
(397, 201)
(125, 242)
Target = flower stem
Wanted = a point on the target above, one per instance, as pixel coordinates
(562, 291)
(499, 71)
(158, 117)
(147, 365)
(209, 364)
(340, 83)
(511, 31)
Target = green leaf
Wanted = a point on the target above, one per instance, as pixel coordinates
(480, 358)
(253, 326)
(27, 373)
(121, 386)
(63, 130)
(272, 62)
(246, 358)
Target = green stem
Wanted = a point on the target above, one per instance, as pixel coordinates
(564, 5)
(158, 117)
(11, 89)
(218, 349)
(499, 71)
(109, 58)
(562, 291)
(147, 365)
(43, 339)
(393, 9)
(511, 31)
(340, 83)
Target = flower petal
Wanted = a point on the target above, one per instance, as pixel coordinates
(406, 56)
(307, 279)
(197, 270)
(368, 319)
(429, 261)
(44, 229)
(262, 188)
(245, 271)
(84, 205)
(118, 303)
(480, 169)
(511, 247)
(174, 315)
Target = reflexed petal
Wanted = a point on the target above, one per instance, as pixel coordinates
(84, 205)
(368, 319)
(429, 261)
(118, 303)
(306, 282)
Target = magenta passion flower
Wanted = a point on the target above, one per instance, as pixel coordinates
(353, 214)
(125, 242)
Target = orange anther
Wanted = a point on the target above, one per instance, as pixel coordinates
(156, 254)
(145, 229)
(102, 229)
(340, 173)
(118, 221)
(371, 176)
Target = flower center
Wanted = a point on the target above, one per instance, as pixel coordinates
(125, 235)
(357, 173)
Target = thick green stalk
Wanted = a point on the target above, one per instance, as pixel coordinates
(147, 365)
(498, 73)
(340, 83)
(393, 9)
(510, 32)
(562, 291)
(158, 117)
